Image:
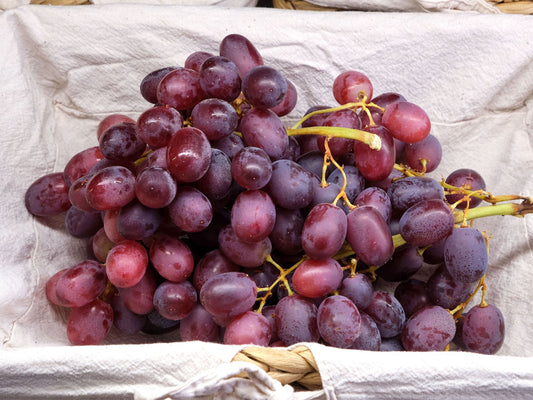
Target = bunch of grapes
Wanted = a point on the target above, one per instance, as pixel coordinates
(208, 215)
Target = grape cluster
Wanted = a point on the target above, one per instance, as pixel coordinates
(208, 215)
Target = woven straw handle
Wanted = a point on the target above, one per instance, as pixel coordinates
(290, 367)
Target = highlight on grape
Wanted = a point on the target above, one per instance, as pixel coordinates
(209, 216)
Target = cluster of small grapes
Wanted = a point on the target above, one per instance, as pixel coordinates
(209, 216)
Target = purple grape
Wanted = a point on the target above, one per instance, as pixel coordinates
(190, 210)
(175, 300)
(355, 182)
(264, 87)
(264, 129)
(358, 289)
(468, 179)
(343, 119)
(211, 263)
(188, 154)
(339, 321)
(82, 224)
(196, 59)
(199, 325)
(405, 262)
(248, 328)
(296, 320)
(434, 254)
(286, 235)
(387, 313)
(245, 254)
(241, 51)
(219, 78)
(121, 143)
(378, 198)
(427, 222)
(412, 295)
(228, 294)
(383, 100)
(47, 196)
(172, 258)
(406, 192)
(139, 298)
(251, 168)
(151, 81)
(80, 284)
(135, 221)
(317, 278)
(313, 162)
(466, 255)
(483, 329)
(81, 163)
(124, 319)
(431, 328)
(369, 236)
(126, 263)
(230, 144)
(375, 165)
(369, 337)
(290, 186)
(155, 187)
(89, 324)
(180, 89)
(446, 292)
(216, 118)
(324, 231)
(253, 215)
(289, 101)
(428, 150)
(156, 125)
(110, 188)
(216, 182)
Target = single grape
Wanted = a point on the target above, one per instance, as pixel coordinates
(446, 292)
(406, 121)
(228, 294)
(296, 320)
(139, 298)
(80, 284)
(405, 262)
(77, 194)
(383, 100)
(190, 210)
(467, 179)
(412, 295)
(245, 254)
(175, 300)
(101, 245)
(369, 337)
(351, 87)
(230, 144)
(216, 118)
(248, 328)
(172, 258)
(431, 328)
(47, 196)
(121, 143)
(289, 101)
(82, 224)
(466, 254)
(109, 121)
(434, 254)
(125, 320)
(410, 190)
(378, 198)
(89, 324)
(290, 185)
(387, 312)
(264, 129)
(156, 125)
(199, 325)
(217, 181)
(81, 163)
(180, 89)
(253, 215)
(428, 150)
(339, 321)
(110, 188)
(427, 222)
(110, 225)
(358, 289)
(326, 194)
(188, 154)
(324, 231)
(483, 329)
(211, 263)
(313, 162)
(241, 51)
(155, 187)
(196, 59)
(158, 325)
(251, 168)
(219, 78)
(126, 263)
(135, 221)
(286, 235)
(375, 165)
(355, 182)
(264, 86)
(150, 82)
(317, 278)
(369, 236)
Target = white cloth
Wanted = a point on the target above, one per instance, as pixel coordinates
(65, 68)
(481, 6)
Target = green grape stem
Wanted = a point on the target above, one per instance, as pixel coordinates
(371, 139)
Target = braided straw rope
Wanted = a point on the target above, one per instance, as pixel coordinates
(506, 6)
(295, 367)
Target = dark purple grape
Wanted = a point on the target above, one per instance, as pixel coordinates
(251, 168)
(241, 51)
(125, 320)
(135, 221)
(81, 163)
(121, 143)
(151, 81)
(412, 295)
(156, 125)
(431, 328)
(313, 161)
(405, 262)
(216, 182)
(219, 78)
(467, 179)
(343, 119)
(369, 337)
(196, 59)
(47, 196)
(82, 224)
(325, 194)
(387, 313)
(289, 101)
(434, 254)
(172, 258)
(175, 300)
(406, 192)
(264, 87)
(324, 231)
(444, 291)
(155, 187)
(110, 188)
(427, 222)
(383, 100)
(339, 321)
(211, 263)
(230, 144)
(466, 255)
(139, 298)
(483, 329)
(157, 324)
(264, 129)
(369, 236)
(355, 182)
(216, 118)
(188, 155)
(109, 121)
(378, 198)
(358, 289)
(286, 236)
(89, 324)
(296, 320)
(428, 150)
(375, 165)
(245, 254)
(290, 185)
(228, 294)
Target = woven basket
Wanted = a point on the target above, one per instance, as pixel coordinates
(506, 6)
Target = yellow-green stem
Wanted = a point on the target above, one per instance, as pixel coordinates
(371, 139)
